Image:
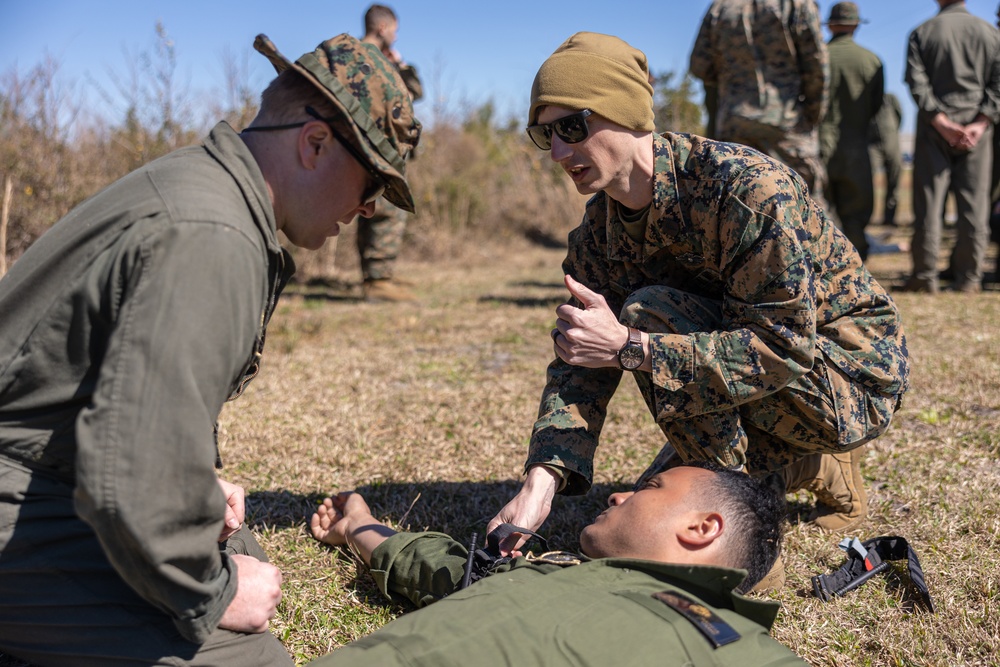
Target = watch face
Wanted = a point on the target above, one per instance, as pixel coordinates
(631, 357)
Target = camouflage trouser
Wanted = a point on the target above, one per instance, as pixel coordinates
(380, 239)
(824, 411)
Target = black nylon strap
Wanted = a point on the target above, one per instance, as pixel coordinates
(855, 571)
(482, 561)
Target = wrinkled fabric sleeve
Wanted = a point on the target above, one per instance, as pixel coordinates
(918, 79)
(768, 334)
(814, 62)
(575, 399)
(191, 302)
(991, 99)
(421, 568)
(412, 81)
(702, 61)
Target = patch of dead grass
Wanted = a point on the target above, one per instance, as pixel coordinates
(427, 408)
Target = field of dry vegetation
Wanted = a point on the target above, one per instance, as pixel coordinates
(427, 407)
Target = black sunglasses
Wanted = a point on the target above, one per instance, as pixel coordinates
(572, 129)
(378, 185)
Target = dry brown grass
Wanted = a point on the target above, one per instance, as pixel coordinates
(427, 407)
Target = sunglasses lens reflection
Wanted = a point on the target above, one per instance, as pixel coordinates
(571, 129)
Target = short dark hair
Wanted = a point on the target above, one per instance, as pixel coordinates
(375, 15)
(286, 98)
(755, 512)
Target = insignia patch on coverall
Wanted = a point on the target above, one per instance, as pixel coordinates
(707, 621)
(555, 558)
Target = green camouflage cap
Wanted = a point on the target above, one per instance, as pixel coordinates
(377, 113)
(844, 13)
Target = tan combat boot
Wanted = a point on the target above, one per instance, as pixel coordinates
(774, 580)
(841, 501)
(387, 290)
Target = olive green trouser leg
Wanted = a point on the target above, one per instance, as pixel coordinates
(62, 604)
(938, 169)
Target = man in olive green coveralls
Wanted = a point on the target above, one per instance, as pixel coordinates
(953, 71)
(857, 84)
(659, 584)
(705, 271)
(125, 329)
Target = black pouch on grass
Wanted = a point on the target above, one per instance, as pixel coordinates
(864, 561)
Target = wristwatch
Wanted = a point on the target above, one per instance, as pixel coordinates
(631, 356)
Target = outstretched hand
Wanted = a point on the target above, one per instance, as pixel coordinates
(590, 336)
(528, 509)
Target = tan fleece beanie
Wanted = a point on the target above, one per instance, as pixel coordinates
(597, 72)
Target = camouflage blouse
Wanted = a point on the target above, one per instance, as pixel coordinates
(732, 225)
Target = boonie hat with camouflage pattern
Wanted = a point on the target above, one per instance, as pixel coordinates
(844, 13)
(376, 108)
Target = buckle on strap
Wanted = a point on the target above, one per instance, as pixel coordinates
(864, 561)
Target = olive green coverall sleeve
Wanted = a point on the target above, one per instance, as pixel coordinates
(146, 481)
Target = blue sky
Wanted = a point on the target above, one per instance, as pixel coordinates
(467, 52)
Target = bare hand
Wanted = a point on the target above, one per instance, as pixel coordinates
(235, 509)
(972, 133)
(951, 131)
(393, 56)
(258, 592)
(590, 336)
(331, 524)
(528, 509)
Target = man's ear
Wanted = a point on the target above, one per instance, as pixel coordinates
(701, 529)
(314, 140)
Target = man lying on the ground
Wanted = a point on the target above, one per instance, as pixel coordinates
(658, 583)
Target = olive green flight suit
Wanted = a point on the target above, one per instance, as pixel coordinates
(125, 329)
(598, 612)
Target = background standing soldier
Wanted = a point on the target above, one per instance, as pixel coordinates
(857, 83)
(380, 236)
(953, 71)
(768, 61)
(885, 152)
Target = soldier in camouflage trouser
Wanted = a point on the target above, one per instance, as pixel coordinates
(771, 79)
(783, 427)
(749, 322)
(380, 237)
